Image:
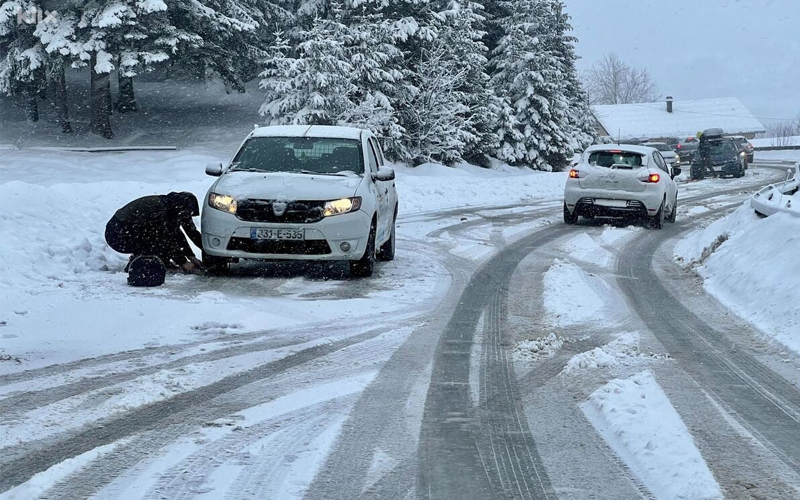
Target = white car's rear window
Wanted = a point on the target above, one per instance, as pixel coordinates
(609, 158)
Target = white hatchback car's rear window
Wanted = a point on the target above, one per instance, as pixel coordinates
(609, 158)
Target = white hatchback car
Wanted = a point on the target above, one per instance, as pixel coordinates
(302, 193)
(622, 181)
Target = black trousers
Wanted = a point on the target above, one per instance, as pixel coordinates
(168, 245)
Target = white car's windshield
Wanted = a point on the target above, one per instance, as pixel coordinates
(307, 155)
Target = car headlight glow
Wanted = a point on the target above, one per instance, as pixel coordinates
(223, 202)
(342, 206)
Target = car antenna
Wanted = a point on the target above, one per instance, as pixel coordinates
(619, 137)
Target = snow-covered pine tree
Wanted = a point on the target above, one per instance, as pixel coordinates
(58, 37)
(463, 33)
(339, 67)
(377, 74)
(121, 32)
(22, 68)
(311, 83)
(528, 76)
(224, 38)
(581, 119)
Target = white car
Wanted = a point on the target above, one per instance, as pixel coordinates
(302, 193)
(622, 181)
(669, 155)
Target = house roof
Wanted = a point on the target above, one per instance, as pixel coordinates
(651, 120)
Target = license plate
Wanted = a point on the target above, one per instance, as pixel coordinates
(277, 234)
(611, 203)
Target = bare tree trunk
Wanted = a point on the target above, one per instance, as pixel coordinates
(60, 95)
(126, 100)
(101, 102)
(31, 104)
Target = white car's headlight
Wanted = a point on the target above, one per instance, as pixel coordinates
(342, 206)
(223, 202)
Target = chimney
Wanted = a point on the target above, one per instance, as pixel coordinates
(669, 104)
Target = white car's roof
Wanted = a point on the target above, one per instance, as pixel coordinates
(628, 148)
(308, 131)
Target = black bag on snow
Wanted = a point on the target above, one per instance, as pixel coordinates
(146, 270)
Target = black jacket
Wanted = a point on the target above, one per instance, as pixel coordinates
(161, 217)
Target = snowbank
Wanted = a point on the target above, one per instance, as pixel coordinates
(639, 423)
(751, 265)
(571, 296)
(622, 351)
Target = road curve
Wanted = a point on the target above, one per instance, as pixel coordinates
(761, 400)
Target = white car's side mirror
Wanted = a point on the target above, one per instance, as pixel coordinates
(214, 169)
(384, 174)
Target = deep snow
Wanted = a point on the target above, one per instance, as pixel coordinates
(63, 295)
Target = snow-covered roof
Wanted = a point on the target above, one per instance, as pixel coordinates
(308, 131)
(651, 120)
(628, 148)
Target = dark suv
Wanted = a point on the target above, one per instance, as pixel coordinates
(717, 156)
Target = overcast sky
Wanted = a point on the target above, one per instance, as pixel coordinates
(698, 49)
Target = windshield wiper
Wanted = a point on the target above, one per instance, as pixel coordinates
(245, 169)
(309, 172)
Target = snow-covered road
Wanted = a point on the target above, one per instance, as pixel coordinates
(502, 355)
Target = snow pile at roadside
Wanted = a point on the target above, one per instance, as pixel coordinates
(622, 351)
(572, 296)
(751, 265)
(639, 423)
(584, 247)
(534, 349)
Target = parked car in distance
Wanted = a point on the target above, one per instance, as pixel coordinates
(685, 149)
(622, 181)
(744, 145)
(666, 152)
(316, 193)
(718, 156)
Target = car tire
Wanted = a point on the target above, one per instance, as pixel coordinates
(365, 266)
(657, 221)
(570, 218)
(673, 215)
(386, 251)
(215, 265)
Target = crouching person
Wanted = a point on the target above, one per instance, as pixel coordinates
(149, 229)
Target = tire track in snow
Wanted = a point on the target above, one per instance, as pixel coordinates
(19, 465)
(763, 401)
(489, 452)
(124, 465)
